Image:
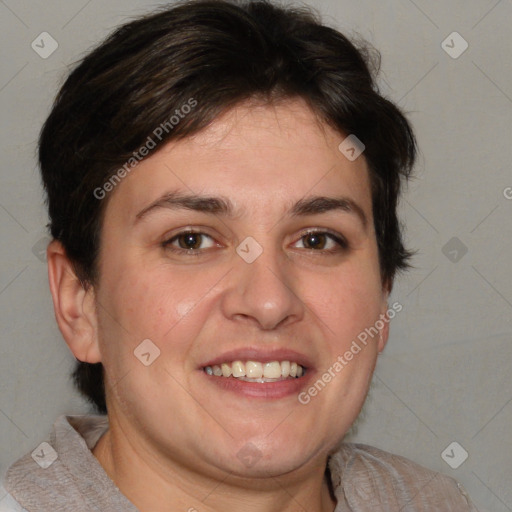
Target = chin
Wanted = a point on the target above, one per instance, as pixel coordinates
(271, 458)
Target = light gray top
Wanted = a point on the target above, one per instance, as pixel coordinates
(64, 475)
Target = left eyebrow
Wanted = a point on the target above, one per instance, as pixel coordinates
(223, 206)
(321, 204)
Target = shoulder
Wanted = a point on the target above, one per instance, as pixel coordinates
(8, 503)
(363, 474)
(62, 472)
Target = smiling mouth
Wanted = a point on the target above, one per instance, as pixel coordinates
(255, 371)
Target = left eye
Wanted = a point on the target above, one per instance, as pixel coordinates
(191, 241)
(321, 241)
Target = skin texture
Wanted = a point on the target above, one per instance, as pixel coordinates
(174, 436)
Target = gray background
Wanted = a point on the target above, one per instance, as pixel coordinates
(444, 375)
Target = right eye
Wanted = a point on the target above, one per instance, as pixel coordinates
(189, 242)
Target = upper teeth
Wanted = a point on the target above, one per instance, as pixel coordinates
(256, 370)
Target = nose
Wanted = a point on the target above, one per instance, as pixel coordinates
(263, 292)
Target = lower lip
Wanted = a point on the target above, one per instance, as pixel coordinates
(267, 390)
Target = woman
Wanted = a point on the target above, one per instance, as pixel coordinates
(222, 183)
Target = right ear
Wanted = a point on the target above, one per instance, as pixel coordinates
(74, 305)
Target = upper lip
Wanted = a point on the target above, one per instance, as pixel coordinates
(261, 355)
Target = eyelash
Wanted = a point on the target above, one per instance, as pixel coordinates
(338, 239)
(188, 252)
(335, 237)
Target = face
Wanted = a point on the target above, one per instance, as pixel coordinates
(250, 241)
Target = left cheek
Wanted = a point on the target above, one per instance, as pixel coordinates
(350, 308)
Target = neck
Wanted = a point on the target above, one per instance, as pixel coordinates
(153, 484)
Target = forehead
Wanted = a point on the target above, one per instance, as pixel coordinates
(256, 154)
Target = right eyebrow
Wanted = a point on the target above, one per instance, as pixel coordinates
(178, 200)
